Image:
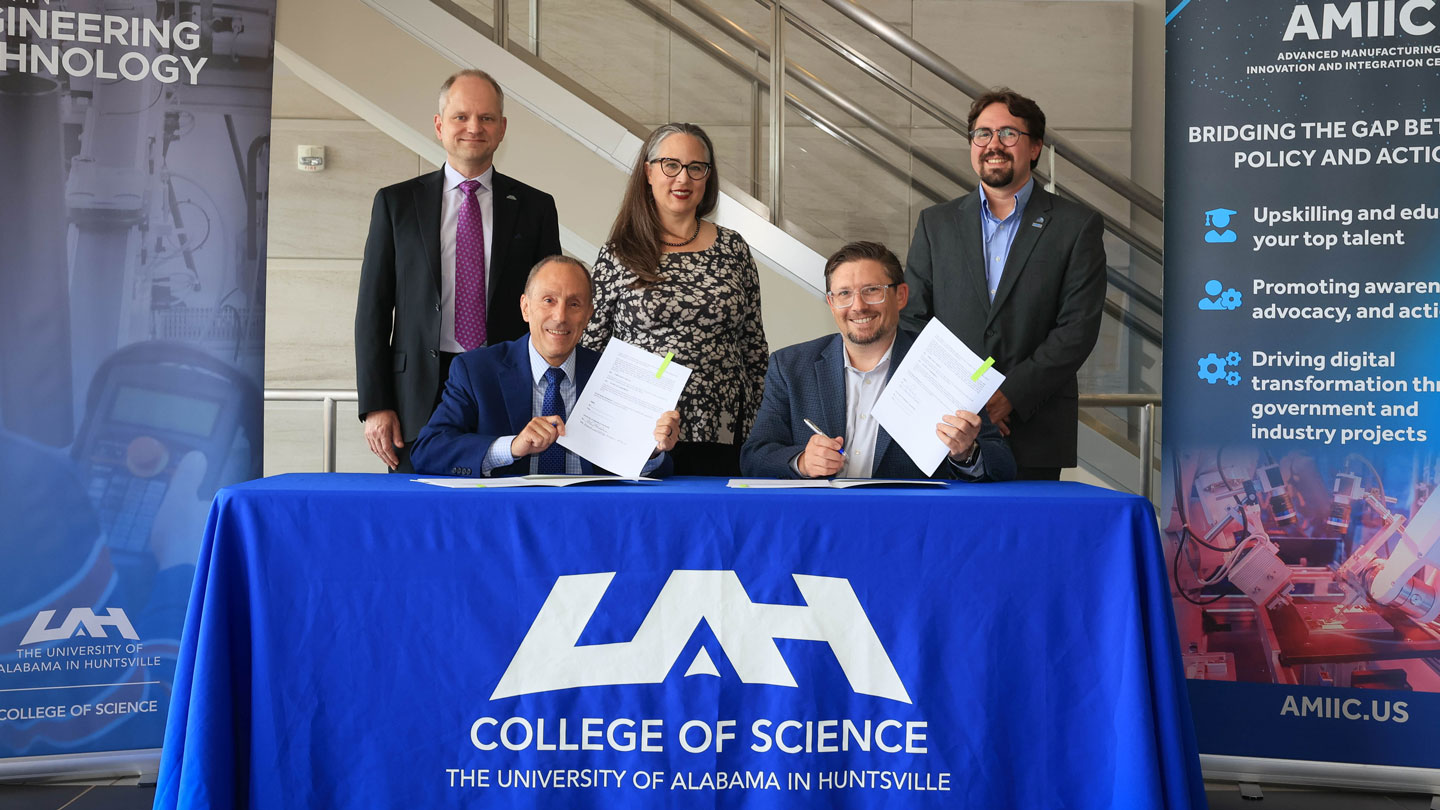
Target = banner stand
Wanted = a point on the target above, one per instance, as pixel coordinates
(1342, 775)
(70, 767)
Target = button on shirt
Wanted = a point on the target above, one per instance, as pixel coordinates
(999, 235)
(862, 389)
(499, 453)
(450, 203)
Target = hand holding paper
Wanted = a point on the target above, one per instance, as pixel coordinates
(959, 431)
(939, 380)
(667, 432)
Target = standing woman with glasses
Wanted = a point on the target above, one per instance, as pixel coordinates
(670, 281)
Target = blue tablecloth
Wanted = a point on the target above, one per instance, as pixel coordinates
(367, 641)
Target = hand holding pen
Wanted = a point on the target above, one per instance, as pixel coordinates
(823, 456)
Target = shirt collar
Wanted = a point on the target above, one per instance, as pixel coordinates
(880, 366)
(538, 364)
(453, 179)
(1021, 198)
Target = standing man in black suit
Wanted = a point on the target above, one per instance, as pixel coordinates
(445, 264)
(1018, 274)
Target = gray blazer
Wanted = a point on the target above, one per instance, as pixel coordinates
(808, 380)
(1045, 317)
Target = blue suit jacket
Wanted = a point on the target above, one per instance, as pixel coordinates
(488, 396)
(808, 380)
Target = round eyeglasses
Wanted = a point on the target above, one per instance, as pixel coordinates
(698, 170)
(980, 136)
(870, 294)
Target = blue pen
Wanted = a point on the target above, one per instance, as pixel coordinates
(819, 432)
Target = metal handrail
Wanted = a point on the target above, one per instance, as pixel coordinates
(328, 397)
(811, 82)
(953, 76)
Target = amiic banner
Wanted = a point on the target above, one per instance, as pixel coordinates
(1302, 310)
(134, 146)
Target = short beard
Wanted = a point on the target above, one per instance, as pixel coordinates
(997, 177)
(879, 335)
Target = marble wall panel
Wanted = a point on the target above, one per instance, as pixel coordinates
(310, 323)
(325, 214)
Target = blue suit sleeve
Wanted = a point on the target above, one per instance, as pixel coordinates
(772, 441)
(460, 432)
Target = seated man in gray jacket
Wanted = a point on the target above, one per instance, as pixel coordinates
(834, 382)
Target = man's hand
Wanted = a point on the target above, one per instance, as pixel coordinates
(821, 457)
(999, 408)
(958, 431)
(667, 432)
(538, 435)
(382, 433)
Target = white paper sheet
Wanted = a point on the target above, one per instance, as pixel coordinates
(828, 483)
(526, 481)
(935, 378)
(613, 424)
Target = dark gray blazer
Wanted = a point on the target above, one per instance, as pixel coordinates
(1046, 314)
(808, 380)
(397, 316)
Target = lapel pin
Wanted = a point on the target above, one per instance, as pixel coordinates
(1038, 223)
(509, 196)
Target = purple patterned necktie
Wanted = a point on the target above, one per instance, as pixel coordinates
(470, 270)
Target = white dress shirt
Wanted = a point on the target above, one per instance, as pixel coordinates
(450, 202)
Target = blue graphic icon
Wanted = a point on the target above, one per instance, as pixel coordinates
(1219, 218)
(1213, 368)
(1228, 299)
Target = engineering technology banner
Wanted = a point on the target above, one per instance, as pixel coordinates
(1301, 409)
(134, 153)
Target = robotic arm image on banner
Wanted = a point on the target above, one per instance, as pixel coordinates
(133, 210)
(1285, 574)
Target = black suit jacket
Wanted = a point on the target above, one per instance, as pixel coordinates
(397, 318)
(1045, 317)
(807, 380)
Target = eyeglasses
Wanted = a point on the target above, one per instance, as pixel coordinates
(698, 170)
(980, 136)
(870, 294)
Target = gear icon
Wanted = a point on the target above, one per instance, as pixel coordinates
(1233, 378)
(1232, 359)
(1212, 368)
(1230, 299)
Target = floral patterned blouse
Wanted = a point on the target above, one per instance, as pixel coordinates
(706, 309)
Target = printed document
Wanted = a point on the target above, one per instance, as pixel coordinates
(613, 424)
(939, 375)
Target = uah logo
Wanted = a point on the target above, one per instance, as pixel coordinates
(93, 626)
(549, 659)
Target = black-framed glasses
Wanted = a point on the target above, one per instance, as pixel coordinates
(870, 294)
(697, 169)
(980, 136)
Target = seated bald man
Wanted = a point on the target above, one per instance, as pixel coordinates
(505, 405)
(835, 381)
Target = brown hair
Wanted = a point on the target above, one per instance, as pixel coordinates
(473, 73)
(1019, 106)
(874, 251)
(635, 236)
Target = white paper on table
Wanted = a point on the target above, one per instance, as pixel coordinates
(936, 377)
(526, 481)
(613, 424)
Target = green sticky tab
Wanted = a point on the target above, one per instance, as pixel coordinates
(668, 357)
(984, 367)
